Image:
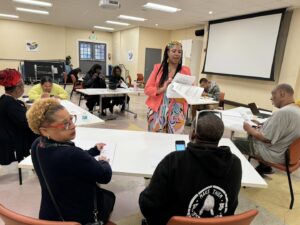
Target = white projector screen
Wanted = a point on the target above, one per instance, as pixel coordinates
(243, 46)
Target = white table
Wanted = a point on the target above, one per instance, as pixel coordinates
(105, 92)
(203, 101)
(233, 120)
(81, 113)
(137, 153)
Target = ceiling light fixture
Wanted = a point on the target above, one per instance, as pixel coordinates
(210, 12)
(9, 16)
(33, 11)
(34, 2)
(131, 18)
(117, 23)
(103, 28)
(159, 7)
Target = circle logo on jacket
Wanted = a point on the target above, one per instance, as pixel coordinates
(211, 201)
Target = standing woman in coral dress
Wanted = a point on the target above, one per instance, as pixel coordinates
(166, 115)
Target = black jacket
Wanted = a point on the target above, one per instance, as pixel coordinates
(15, 134)
(90, 82)
(72, 174)
(202, 181)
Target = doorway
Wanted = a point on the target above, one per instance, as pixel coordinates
(152, 57)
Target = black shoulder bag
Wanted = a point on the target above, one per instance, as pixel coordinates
(95, 211)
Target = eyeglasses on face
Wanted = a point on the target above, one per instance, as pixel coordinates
(206, 112)
(65, 124)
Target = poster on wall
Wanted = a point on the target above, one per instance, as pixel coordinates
(130, 55)
(32, 46)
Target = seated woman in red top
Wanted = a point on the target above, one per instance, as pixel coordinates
(166, 115)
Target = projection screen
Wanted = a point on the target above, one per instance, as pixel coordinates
(243, 46)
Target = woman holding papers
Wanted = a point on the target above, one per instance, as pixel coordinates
(166, 115)
(67, 174)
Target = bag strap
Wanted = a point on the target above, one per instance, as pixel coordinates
(47, 185)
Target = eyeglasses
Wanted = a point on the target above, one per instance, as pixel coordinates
(206, 112)
(66, 124)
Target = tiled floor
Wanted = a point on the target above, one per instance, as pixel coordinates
(272, 202)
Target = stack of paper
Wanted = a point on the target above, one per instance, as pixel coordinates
(182, 87)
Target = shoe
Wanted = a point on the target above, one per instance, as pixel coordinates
(111, 109)
(103, 113)
(123, 108)
(263, 169)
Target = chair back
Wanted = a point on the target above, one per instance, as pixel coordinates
(12, 218)
(239, 219)
(128, 80)
(221, 99)
(294, 152)
(140, 78)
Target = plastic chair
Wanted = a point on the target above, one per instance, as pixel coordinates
(128, 81)
(221, 100)
(12, 218)
(140, 80)
(76, 85)
(239, 219)
(292, 163)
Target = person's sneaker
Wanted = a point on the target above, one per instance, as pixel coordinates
(263, 169)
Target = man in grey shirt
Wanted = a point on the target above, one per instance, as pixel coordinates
(271, 140)
(211, 89)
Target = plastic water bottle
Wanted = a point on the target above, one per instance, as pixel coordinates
(84, 116)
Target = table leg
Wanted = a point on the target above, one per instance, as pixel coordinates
(127, 107)
(20, 175)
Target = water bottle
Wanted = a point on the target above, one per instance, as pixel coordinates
(84, 116)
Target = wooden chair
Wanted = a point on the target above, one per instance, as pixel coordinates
(292, 163)
(12, 218)
(239, 219)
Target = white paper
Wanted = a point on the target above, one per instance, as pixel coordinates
(108, 150)
(123, 85)
(187, 91)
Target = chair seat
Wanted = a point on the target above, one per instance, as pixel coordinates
(282, 167)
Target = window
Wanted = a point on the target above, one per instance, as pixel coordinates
(92, 51)
(85, 51)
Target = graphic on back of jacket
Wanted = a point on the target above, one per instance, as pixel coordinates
(211, 201)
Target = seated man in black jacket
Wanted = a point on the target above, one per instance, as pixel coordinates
(202, 181)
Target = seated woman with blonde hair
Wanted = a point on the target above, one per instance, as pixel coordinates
(67, 174)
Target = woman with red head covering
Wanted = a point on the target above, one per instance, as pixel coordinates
(15, 135)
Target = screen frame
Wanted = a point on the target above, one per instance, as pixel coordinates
(264, 13)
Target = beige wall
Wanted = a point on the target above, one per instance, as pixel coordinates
(73, 36)
(15, 34)
(151, 38)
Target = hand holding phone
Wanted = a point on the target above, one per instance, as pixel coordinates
(180, 145)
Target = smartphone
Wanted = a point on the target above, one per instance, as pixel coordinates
(180, 145)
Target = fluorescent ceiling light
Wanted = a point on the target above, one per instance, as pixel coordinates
(9, 16)
(131, 18)
(117, 23)
(210, 12)
(103, 28)
(159, 7)
(34, 2)
(33, 11)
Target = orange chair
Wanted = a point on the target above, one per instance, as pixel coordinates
(239, 219)
(221, 100)
(12, 218)
(292, 163)
(140, 80)
(128, 81)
